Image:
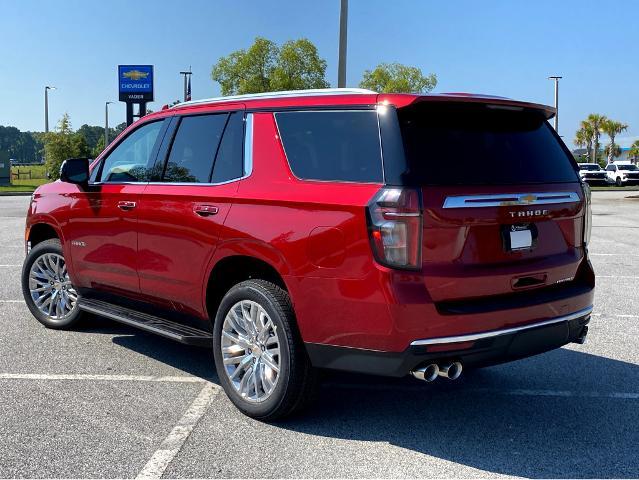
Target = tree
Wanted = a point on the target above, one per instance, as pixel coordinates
(61, 144)
(613, 128)
(97, 150)
(583, 138)
(398, 78)
(595, 122)
(298, 67)
(633, 153)
(265, 67)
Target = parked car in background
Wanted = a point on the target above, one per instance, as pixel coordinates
(292, 231)
(592, 174)
(622, 173)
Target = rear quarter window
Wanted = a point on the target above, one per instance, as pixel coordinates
(332, 145)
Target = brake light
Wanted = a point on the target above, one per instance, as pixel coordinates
(395, 227)
(587, 213)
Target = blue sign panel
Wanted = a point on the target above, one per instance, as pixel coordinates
(135, 83)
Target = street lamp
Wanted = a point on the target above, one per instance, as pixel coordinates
(46, 108)
(106, 123)
(556, 79)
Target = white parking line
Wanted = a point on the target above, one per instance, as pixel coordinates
(172, 444)
(11, 301)
(614, 254)
(112, 378)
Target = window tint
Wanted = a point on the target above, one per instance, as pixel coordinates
(194, 147)
(341, 146)
(610, 168)
(228, 163)
(132, 159)
(455, 144)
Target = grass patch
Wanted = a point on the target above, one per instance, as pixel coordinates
(24, 185)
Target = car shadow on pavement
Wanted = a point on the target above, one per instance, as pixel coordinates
(561, 414)
(191, 360)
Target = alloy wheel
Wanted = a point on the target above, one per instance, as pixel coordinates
(50, 287)
(251, 351)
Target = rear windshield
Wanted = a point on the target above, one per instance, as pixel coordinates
(452, 144)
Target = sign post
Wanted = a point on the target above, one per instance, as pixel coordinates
(135, 84)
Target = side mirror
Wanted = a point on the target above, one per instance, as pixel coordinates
(75, 170)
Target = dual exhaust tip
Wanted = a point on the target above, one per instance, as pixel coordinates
(430, 372)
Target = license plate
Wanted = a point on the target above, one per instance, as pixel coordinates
(520, 239)
(522, 236)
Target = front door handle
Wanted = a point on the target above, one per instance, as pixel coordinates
(126, 205)
(205, 210)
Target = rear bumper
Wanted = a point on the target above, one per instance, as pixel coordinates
(473, 350)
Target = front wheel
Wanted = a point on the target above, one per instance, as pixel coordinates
(259, 356)
(618, 182)
(47, 289)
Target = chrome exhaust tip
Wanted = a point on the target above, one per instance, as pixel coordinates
(427, 373)
(450, 370)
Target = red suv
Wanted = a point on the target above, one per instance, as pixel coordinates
(389, 234)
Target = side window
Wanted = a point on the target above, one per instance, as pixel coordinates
(132, 159)
(194, 146)
(609, 168)
(340, 146)
(228, 163)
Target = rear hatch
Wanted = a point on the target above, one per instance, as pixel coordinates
(503, 205)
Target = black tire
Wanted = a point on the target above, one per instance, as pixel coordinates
(618, 182)
(74, 316)
(297, 379)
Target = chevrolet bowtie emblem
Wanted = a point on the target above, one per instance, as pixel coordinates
(135, 75)
(528, 199)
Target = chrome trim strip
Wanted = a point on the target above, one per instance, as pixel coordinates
(510, 199)
(248, 145)
(284, 94)
(497, 333)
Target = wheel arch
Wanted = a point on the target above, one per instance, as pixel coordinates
(232, 270)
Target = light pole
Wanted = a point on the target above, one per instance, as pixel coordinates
(106, 123)
(556, 79)
(46, 108)
(343, 33)
(187, 94)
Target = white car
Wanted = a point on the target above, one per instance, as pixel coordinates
(622, 173)
(592, 174)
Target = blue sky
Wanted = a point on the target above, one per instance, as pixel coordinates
(494, 47)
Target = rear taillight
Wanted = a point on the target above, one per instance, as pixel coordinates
(395, 227)
(587, 213)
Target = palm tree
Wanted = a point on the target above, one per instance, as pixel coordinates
(633, 153)
(596, 122)
(612, 128)
(583, 138)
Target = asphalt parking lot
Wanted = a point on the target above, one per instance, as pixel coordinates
(110, 401)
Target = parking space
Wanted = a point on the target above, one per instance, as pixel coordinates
(110, 401)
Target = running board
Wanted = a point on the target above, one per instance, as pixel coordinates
(149, 323)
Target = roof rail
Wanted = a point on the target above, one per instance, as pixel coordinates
(284, 94)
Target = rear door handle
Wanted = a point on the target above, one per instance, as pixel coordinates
(205, 210)
(126, 205)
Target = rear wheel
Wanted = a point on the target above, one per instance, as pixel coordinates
(46, 286)
(259, 356)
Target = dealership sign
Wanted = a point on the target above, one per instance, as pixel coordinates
(135, 83)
